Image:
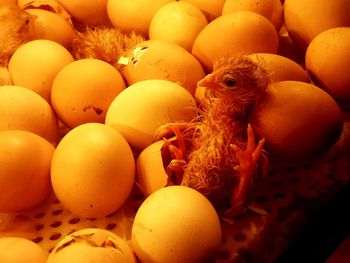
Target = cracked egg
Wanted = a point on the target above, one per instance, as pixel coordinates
(83, 90)
(92, 245)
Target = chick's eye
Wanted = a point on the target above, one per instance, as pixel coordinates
(230, 83)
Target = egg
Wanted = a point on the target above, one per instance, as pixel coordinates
(271, 9)
(88, 12)
(186, 227)
(21, 250)
(306, 19)
(23, 109)
(24, 170)
(211, 9)
(35, 64)
(280, 68)
(90, 245)
(48, 25)
(92, 170)
(233, 34)
(150, 173)
(177, 22)
(138, 111)
(133, 15)
(8, 2)
(83, 91)
(159, 59)
(327, 61)
(299, 121)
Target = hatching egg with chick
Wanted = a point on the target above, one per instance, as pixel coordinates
(23, 109)
(139, 110)
(35, 64)
(133, 15)
(177, 22)
(92, 170)
(83, 91)
(176, 224)
(159, 59)
(233, 34)
(48, 25)
(327, 61)
(91, 245)
(299, 121)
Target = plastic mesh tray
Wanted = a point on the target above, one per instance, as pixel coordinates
(288, 192)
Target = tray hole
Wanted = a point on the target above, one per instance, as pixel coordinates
(290, 169)
(239, 236)
(39, 215)
(224, 254)
(57, 212)
(74, 221)
(92, 219)
(279, 195)
(261, 198)
(39, 227)
(293, 180)
(56, 224)
(111, 226)
(55, 236)
(37, 239)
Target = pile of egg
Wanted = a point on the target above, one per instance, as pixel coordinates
(84, 129)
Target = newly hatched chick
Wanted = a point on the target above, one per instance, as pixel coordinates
(221, 156)
(16, 26)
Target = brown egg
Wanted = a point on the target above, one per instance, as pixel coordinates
(177, 22)
(133, 15)
(232, 34)
(23, 109)
(20, 250)
(8, 2)
(88, 12)
(280, 68)
(92, 170)
(299, 121)
(159, 59)
(150, 173)
(139, 110)
(328, 62)
(24, 170)
(48, 25)
(211, 9)
(306, 19)
(35, 64)
(271, 9)
(83, 90)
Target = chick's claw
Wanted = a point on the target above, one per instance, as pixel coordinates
(248, 160)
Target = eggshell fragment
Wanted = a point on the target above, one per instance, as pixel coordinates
(21, 250)
(327, 61)
(138, 111)
(280, 68)
(299, 121)
(23, 109)
(48, 25)
(176, 224)
(158, 59)
(92, 245)
(271, 9)
(177, 22)
(83, 90)
(133, 15)
(306, 19)
(150, 173)
(24, 170)
(35, 64)
(234, 34)
(92, 170)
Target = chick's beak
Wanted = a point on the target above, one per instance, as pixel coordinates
(208, 81)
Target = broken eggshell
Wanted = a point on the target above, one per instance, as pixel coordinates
(92, 245)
